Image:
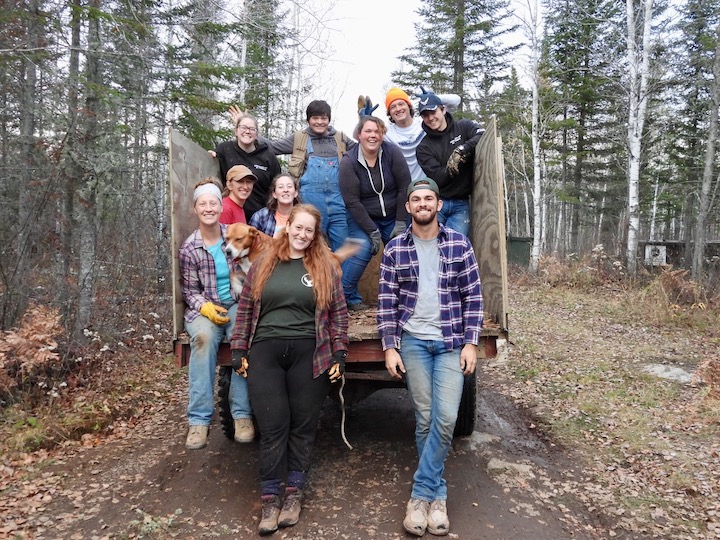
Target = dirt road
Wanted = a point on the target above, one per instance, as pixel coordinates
(143, 483)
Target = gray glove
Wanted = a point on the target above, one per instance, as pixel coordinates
(375, 240)
(399, 229)
(458, 156)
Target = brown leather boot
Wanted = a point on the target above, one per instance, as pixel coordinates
(270, 513)
(290, 513)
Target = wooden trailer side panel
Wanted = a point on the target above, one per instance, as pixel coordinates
(487, 223)
(188, 165)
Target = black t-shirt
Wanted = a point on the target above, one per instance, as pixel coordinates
(261, 161)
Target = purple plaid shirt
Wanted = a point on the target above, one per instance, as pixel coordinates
(331, 325)
(461, 303)
(197, 274)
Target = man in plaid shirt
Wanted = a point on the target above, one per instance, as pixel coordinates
(429, 319)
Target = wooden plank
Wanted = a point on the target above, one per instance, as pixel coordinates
(487, 223)
(189, 163)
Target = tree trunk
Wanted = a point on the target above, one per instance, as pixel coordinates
(14, 303)
(698, 256)
(87, 207)
(639, 67)
(534, 32)
(69, 173)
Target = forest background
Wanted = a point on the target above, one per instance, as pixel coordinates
(608, 112)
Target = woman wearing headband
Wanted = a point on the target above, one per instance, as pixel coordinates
(210, 308)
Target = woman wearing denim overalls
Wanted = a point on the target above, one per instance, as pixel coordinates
(319, 184)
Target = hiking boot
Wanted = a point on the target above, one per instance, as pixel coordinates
(270, 513)
(197, 437)
(244, 430)
(416, 516)
(359, 306)
(290, 513)
(438, 522)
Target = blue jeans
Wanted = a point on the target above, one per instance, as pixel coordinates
(455, 214)
(205, 338)
(435, 383)
(319, 186)
(354, 267)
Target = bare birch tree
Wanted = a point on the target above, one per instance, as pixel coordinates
(638, 56)
(532, 29)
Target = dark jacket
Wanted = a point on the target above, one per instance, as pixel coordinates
(385, 198)
(261, 161)
(435, 149)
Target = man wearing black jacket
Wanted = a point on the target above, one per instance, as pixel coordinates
(447, 155)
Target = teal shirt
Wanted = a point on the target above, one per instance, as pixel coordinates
(222, 272)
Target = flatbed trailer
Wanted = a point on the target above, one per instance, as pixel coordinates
(365, 365)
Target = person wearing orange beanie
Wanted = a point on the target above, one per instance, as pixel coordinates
(405, 129)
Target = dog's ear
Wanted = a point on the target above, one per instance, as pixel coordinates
(252, 231)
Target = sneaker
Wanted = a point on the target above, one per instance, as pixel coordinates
(416, 516)
(290, 513)
(438, 522)
(197, 437)
(270, 513)
(359, 306)
(244, 430)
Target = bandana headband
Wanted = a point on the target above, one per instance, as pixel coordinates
(212, 189)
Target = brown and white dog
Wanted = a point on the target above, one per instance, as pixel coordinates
(245, 244)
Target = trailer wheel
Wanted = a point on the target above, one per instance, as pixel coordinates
(226, 419)
(466, 413)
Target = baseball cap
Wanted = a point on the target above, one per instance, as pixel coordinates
(423, 183)
(394, 94)
(238, 172)
(428, 102)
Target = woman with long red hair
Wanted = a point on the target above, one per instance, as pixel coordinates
(290, 340)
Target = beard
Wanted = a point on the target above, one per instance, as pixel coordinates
(424, 219)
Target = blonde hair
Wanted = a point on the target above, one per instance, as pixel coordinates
(318, 259)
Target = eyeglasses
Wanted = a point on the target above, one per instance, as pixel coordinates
(246, 129)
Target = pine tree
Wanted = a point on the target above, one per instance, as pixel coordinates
(459, 49)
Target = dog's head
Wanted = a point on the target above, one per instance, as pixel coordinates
(239, 239)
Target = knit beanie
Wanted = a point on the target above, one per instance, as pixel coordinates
(396, 93)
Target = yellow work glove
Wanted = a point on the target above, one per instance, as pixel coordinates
(216, 314)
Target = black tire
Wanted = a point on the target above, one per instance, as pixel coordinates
(466, 413)
(226, 419)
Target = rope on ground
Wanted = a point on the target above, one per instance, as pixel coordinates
(342, 409)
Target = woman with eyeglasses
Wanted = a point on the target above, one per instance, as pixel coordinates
(247, 150)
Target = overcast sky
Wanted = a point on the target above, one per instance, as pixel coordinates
(368, 38)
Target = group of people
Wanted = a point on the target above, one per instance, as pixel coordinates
(406, 186)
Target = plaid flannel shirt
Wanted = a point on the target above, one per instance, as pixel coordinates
(459, 289)
(197, 274)
(331, 325)
(264, 220)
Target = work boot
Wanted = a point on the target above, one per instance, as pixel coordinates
(438, 522)
(244, 430)
(290, 513)
(416, 516)
(359, 306)
(197, 437)
(270, 513)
